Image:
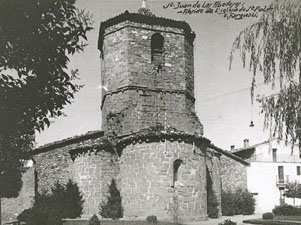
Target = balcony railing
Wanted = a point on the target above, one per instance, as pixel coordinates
(282, 181)
(279, 158)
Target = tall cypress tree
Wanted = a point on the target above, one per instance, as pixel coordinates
(112, 208)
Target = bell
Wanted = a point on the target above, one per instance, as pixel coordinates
(251, 124)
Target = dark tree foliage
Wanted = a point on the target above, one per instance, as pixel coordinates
(64, 201)
(94, 220)
(273, 47)
(287, 210)
(112, 208)
(37, 37)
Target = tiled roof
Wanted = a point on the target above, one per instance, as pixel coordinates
(68, 141)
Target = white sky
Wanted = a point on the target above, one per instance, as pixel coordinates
(223, 102)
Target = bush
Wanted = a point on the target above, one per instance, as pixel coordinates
(244, 202)
(287, 210)
(151, 219)
(94, 220)
(112, 207)
(64, 201)
(212, 205)
(267, 216)
(227, 222)
(236, 203)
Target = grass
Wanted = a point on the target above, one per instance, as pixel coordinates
(278, 220)
(114, 222)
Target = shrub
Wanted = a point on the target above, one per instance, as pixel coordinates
(239, 202)
(244, 202)
(151, 219)
(287, 210)
(268, 216)
(112, 207)
(212, 205)
(227, 222)
(94, 220)
(64, 201)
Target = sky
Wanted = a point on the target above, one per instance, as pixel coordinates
(223, 102)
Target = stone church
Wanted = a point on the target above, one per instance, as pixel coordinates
(151, 141)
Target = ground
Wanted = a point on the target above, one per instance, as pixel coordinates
(238, 219)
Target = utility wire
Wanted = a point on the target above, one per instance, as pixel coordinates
(232, 92)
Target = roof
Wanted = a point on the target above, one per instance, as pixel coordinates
(229, 154)
(252, 147)
(68, 141)
(145, 19)
(144, 135)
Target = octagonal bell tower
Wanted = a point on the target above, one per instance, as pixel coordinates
(147, 73)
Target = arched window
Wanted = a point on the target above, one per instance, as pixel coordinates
(177, 163)
(157, 51)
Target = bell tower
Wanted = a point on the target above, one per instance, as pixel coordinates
(147, 73)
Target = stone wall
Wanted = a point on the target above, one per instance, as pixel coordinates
(138, 109)
(54, 162)
(233, 174)
(146, 180)
(53, 166)
(94, 171)
(11, 207)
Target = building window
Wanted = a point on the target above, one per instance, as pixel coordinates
(298, 170)
(274, 154)
(280, 174)
(176, 166)
(157, 51)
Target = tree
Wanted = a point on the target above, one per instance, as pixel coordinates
(293, 190)
(112, 208)
(37, 38)
(272, 46)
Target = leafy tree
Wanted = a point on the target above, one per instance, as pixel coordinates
(272, 46)
(112, 208)
(293, 190)
(37, 38)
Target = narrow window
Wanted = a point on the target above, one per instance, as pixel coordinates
(157, 51)
(280, 174)
(176, 165)
(274, 154)
(298, 170)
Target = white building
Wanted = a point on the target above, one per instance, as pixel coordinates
(272, 166)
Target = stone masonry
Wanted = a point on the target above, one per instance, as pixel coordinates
(233, 174)
(93, 172)
(146, 178)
